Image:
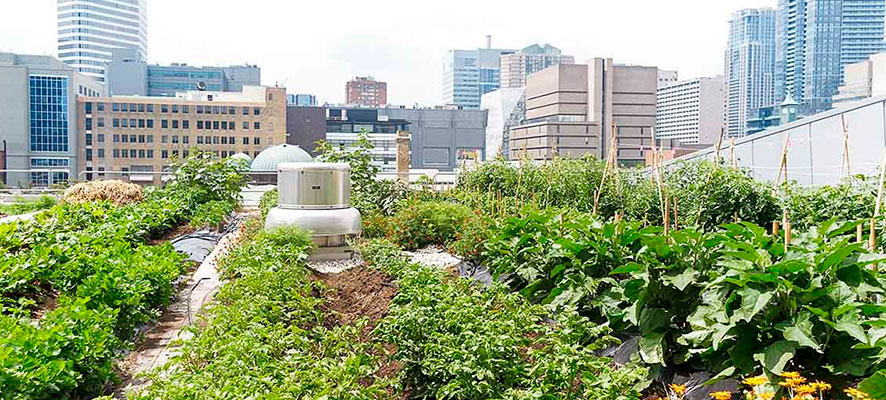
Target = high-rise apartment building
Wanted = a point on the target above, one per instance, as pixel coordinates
(817, 39)
(136, 137)
(517, 66)
(129, 75)
(88, 30)
(575, 110)
(750, 66)
(666, 77)
(469, 74)
(691, 111)
(366, 91)
(38, 118)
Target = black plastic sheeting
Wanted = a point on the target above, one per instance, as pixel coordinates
(199, 244)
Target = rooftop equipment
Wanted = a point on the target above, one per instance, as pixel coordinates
(317, 197)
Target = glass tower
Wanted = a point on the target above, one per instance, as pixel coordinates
(48, 110)
(89, 29)
(750, 66)
(816, 39)
(469, 74)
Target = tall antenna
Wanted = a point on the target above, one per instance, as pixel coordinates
(488, 41)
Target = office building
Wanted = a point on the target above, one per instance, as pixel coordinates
(129, 75)
(136, 137)
(750, 66)
(691, 111)
(38, 114)
(344, 124)
(817, 39)
(365, 91)
(89, 30)
(666, 77)
(442, 137)
(469, 74)
(862, 80)
(517, 66)
(305, 126)
(574, 110)
(506, 108)
(301, 100)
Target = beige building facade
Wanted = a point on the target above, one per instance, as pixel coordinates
(134, 138)
(574, 110)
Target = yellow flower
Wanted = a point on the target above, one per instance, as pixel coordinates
(679, 390)
(819, 385)
(790, 375)
(765, 396)
(756, 381)
(793, 382)
(721, 395)
(803, 390)
(857, 394)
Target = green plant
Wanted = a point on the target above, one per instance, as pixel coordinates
(207, 177)
(211, 214)
(268, 201)
(359, 156)
(419, 224)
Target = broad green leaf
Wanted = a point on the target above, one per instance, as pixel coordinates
(875, 386)
(652, 348)
(752, 301)
(681, 280)
(801, 333)
(652, 319)
(850, 324)
(628, 268)
(776, 356)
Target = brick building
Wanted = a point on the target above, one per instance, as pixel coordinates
(366, 92)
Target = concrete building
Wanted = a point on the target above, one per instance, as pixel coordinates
(574, 110)
(366, 91)
(88, 31)
(817, 39)
(305, 126)
(517, 66)
(301, 100)
(863, 79)
(469, 74)
(691, 111)
(129, 75)
(125, 135)
(344, 124)
(506, 108)
(750, 66)
(38, 114)
(666, 77)
(442, 137)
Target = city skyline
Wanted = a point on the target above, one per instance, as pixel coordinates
(410, 57)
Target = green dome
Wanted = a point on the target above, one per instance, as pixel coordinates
(267, 160)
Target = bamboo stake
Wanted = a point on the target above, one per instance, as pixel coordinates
(873, 237)
(783, 163)
(610, 165)
(859, 233)
(719, 143)
(775, 226)
(667, 213)
(787, 234)
(676, 217)
(732, 160)
(844, 164)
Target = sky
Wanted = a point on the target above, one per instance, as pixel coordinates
(315, 47)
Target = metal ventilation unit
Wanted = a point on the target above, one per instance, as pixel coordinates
(317, 197)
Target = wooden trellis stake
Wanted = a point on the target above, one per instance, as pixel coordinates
(775, 228)
(859, 233)
(719, 143)
(783, 163)
(873, 238)
(787, 232)
(611, 160)
(732, 160)
(656, 166)
(667, 213)
(844, 164)
(676, 217)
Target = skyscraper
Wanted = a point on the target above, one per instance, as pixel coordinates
(517, 66)
(469, 74)
(89, 29)
(816, 40)
(750, 66)
(690, 111)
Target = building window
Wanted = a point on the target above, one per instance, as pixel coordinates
(256, 111)
(185, 139)
(141, 154)
(131, 138)
(88, 154)
(231, 140)
(115, 123)
(101, 153)
(100, 122)
(224, 125)
(132, 107)
(199, 109)
(186, 124)
(256, 125)
(116, 153)
(164, 139)
(133, 153)
(100, 106)
(150, 153)
(164, 153)
(150, 124)
(175, 108)
(175, 124)
(141, 108)
(215, 125)
(124, 138)
(150, 138)
(133, 123)
(215, 140)
(164, 108)
(89, 139)
(124, 107)
(224, 110)
(88, 107)
(245, 141)
(232, 110)
(224, 140)
(232, 126)
(199, 139)
(141, 138)
(48, 107)
(164, 124)
(141, 123)
(150, 108)
(101, 138)
(88, 124)
(199, 124)
(207, 125)
(245, 125)
(174, 139)
(185, 109)
(116, 138)
(256, 141)
(245, 110)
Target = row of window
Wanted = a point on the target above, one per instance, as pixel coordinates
(175, 139)
(170, 124)
(173, 108)
(149, 154)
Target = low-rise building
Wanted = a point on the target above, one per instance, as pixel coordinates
(442, 137)
(366, 91)
(130, 75)
(301, 100)
(344, 124)
(137, 138)
(38, 118)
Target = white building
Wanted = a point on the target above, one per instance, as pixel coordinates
(506, 108)
(691, 111)
(517, 66)
(750, 67)
(89, 29)
(863, 80)
(666, 77)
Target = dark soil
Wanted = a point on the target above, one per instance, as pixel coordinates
(173, 233)
(355, 294)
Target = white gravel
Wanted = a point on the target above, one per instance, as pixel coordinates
(433, 256)
(335, 266)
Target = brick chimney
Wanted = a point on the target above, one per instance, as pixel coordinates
(403, 156)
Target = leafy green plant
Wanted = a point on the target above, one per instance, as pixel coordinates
(207, 177)
(419, 224)
(21, 206)
(268, 201)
